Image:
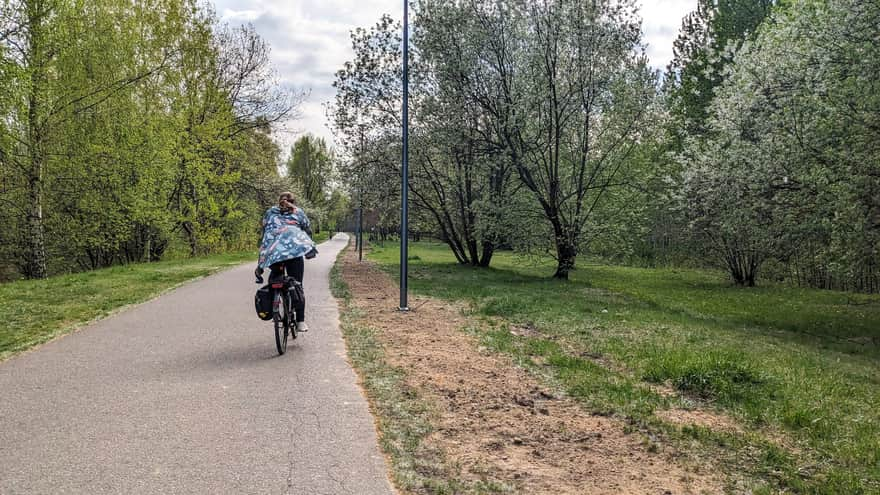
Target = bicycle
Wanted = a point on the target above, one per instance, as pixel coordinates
(280, 290)
(283, 311)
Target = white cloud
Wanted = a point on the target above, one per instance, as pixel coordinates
(310, 40)
(661, 20)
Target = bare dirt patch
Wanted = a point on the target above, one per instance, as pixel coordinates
(698, 417)
(498, 422)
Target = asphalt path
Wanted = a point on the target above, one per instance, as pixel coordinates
(186, 394)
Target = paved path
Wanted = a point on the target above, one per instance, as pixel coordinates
(186, 394)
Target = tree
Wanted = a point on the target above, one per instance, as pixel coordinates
(706, 44)
(43, 51)
(566, 86)
(456, 174)
(464, 175)
(703, 52)
(310, 166)
(727, 201)
(338, 208)
(224, 87)
(793, 138)
(364, 117)
(127, 125)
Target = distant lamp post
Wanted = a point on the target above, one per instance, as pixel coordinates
(361, 232)
(404, 176)
(360, 211)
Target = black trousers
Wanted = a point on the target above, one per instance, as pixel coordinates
(295, 269)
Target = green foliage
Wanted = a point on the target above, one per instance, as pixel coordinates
(692, 215)
(527, 115)
(128, 127)
(310, 167)
(365, 121)
(338, 208)
(706, 44)
(788, 170)
(455, 176)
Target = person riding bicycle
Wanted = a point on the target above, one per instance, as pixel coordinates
(286, 241)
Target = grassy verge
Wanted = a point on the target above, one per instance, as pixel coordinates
(35, 311)
(321, 236)
(404, 419)
(797, 368)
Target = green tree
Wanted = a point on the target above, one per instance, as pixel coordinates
(567, 87)
(65, 60)
(310, 166)
(128, 125)
(708, 39)
(703, 52)
(225, 89)
(792, 143)
(338, 209)
(365, 121)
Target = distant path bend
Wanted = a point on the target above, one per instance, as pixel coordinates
(186, 394)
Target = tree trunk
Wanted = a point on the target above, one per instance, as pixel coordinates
(473, 252)
(735, 267)
(36, 260)
(566, 253)
(36, 246)
(488, 251)
(157, 246)
(743, 267)
(191, 239)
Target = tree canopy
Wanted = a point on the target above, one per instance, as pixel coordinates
(539, 126)
(131, 127)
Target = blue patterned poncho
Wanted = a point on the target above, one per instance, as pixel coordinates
(283, 236)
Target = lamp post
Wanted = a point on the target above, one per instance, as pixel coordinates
(361, 231)
(360, 210)
(404, 189)
(357, 231)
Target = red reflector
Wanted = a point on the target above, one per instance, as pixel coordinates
(277, 286)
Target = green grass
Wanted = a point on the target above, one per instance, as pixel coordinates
(404, 418)
(321, 236)
(799, 363)
(35, 311)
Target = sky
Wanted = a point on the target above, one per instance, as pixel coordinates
(310, 41)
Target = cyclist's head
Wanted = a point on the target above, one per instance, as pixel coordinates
(286, 196)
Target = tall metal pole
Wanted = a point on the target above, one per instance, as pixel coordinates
(404, 189)
(360, 220)
(361, 230)
(357, 233)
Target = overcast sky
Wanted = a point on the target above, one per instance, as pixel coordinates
(309, 40)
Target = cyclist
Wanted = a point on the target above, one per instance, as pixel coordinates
(286, 241)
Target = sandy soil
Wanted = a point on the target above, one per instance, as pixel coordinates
(498, 422)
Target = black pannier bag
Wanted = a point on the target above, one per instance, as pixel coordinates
(263, 302)
(297, 295)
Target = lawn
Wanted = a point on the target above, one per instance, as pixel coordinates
(35, 311)
(321, 236)
(798, 368)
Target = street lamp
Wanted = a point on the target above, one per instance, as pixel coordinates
(404, 190)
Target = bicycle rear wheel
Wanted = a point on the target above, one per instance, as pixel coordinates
(291, 318)
(281, 318)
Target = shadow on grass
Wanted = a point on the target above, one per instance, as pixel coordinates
(821, 319)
